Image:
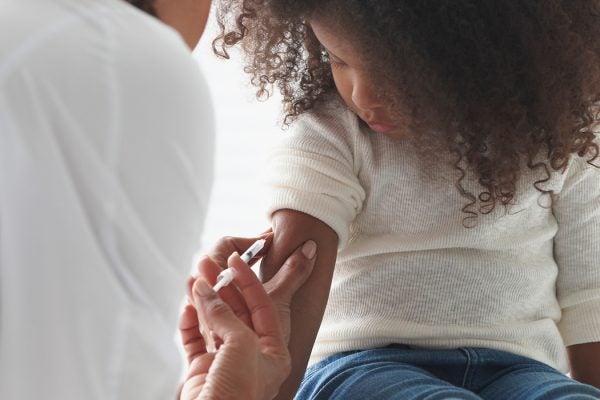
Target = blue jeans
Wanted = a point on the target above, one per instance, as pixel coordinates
(404, 372)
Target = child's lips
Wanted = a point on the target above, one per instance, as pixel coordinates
(380, 128)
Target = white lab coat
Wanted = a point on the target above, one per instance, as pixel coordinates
(106, 143)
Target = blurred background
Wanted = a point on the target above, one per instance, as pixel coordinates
(244, 129)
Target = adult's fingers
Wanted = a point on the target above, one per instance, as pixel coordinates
(292, 274)
(290, 277)
(213, 313)
(269, 310)
(196, 377)
(229, 245)
(209, 270)
(260, 306)
(191, 339)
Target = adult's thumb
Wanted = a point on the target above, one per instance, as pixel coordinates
(293, 273)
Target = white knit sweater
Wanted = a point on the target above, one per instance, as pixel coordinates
(524, 280)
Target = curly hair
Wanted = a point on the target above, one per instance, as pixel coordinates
(504, 85)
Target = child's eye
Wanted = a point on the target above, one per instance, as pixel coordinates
(336, 63)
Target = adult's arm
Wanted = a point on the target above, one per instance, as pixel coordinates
(105, 168)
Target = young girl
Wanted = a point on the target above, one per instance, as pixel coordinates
(445, 151)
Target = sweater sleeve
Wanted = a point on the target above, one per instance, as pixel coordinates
(577, 252)
(314, 170)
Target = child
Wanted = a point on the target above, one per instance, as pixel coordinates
(446, 149)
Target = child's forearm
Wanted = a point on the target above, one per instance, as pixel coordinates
(585, 363)
(291, 229)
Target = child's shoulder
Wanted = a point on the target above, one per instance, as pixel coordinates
(329, 130)
(330, 117)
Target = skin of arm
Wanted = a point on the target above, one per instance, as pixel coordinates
(291, 229)
(585, 363)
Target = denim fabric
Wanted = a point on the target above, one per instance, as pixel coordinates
(404, 372)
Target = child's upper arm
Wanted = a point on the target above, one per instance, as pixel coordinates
(315, 195)
(576, 251)
(291, 229)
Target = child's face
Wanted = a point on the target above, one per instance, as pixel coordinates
(353, 83)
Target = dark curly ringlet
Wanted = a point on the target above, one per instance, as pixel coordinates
(502, 84)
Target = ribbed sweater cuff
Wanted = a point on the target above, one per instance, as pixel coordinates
(318, 206)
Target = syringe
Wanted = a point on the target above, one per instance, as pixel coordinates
(226, 276)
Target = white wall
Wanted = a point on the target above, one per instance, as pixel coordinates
(245, 127)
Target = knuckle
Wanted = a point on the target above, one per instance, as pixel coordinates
(244, 339)
(284, 364)
(280, 293)
(216, 308)
(189, 284)
(273, 290)
(283, 310)
(259, 308)
(225, 242)
(294, 263)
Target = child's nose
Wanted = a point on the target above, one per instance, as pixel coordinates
(364, 95)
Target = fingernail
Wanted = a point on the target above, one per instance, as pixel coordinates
(202, 288)
(309, 249)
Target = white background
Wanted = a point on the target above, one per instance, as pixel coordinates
(245, 128)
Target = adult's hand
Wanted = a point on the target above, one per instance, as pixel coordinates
(280, 287)
(244, 322)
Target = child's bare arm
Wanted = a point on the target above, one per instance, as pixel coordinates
(292, 228)
(585, 363)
